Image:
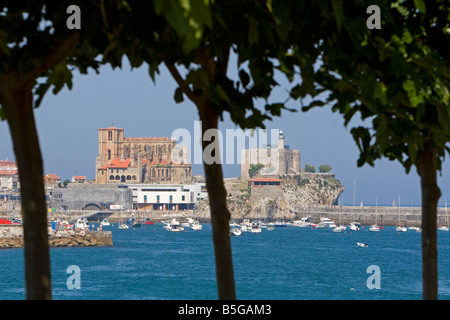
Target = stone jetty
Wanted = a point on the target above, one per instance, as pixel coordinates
(12, 237)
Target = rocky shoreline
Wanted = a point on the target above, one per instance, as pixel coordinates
(12, 237)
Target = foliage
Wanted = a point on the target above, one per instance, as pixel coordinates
(254, 169)
(309, 168)
(324, 168)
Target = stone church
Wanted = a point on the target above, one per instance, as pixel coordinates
(139, 160)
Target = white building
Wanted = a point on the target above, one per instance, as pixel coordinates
(167, 196)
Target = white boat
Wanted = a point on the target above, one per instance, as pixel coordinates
(255, 227)
(400, 229)
(339, 229)
(105, 222)
(326, 223)
(123, 226)
(354, 226)
(187, 223)
(235, 232)
(374, 228)
(360, 244)
(82, 224)
(270, 226)
(280, 223)
(196, 226)
(245, 225)
(175, 226)
(302, 223)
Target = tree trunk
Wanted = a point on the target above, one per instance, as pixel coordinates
(17, 101)
(427, 169)
(220, 216)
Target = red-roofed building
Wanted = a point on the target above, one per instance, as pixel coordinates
(140, 160)
(9, 175)
(52, 178)
(79, 179)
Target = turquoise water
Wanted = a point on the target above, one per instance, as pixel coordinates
(284, 264)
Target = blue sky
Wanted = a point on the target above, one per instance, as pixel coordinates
(68, 131)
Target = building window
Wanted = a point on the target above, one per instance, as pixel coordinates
(145, 199)
(183, 198)
(111, 177)
(109, 135)
(117, 177)
(157, 199)
(109, 154)
(170, 199)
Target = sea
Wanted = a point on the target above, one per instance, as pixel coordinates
(287, 263)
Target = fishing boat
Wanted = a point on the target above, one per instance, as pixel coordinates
(174, 226)
(105, 222)
(255, 227)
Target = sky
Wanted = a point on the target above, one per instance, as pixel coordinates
(68, 126)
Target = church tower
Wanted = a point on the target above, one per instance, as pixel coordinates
(109, 144)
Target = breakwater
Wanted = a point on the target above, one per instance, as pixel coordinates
(12, 237)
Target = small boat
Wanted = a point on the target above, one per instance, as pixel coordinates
(235, 232)
(105, 222)
(326, 223)
(354, 226)
(363, 245)
(174, 226)
(123, 226)
(400, 229)
(255, 227)
(270, 226)
(148, 222)
(280, 223)
(82, 224)
(187, 223)
(339, 229)
(374, 228)
(196, 226)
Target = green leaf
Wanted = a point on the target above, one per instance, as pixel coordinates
(178, 96)
(420, 5)
(253, 30)
(2, 114)
(338, 12)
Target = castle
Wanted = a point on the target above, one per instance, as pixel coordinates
(139, 160)
(277, 160)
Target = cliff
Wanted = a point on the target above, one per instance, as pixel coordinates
(294, 194)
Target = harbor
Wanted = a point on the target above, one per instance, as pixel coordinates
(388, 216)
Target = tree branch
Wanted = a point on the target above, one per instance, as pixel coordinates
(179, 80)
(60, 52)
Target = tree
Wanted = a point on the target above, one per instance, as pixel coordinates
(324, 168)
(398, 77)
(255, 169)
(310, 168)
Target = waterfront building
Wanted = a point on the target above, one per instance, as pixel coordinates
(140, 160)
(162, 197)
